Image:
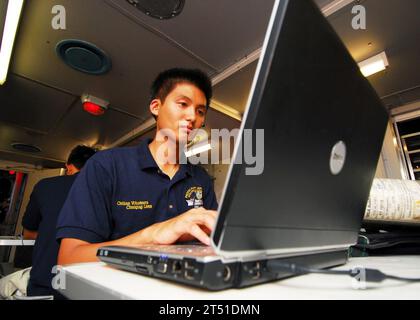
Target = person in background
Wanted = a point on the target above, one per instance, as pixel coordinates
(40, 220)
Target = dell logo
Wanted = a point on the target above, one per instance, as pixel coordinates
(338, 157)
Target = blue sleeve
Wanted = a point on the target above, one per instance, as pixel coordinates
(210, 200)
(86, 214)
(32, 217)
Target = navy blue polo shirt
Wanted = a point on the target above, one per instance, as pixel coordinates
(121, 191)
(46, 201)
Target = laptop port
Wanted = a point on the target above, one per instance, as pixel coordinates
(142, 269)
(188, 265)
(162, 267)
(255, 271)
(189, 274)
(176, 267)
(227, 274)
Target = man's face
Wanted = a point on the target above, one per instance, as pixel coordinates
(183, 110)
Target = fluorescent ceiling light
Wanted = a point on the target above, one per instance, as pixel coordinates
(14, 9)
(335, 6)
(373, 65)
(225, 109)
(196, 150)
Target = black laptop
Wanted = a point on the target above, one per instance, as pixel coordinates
(324, 126)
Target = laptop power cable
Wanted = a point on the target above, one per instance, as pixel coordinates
(371, 275)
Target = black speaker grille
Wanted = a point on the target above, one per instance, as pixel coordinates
(84, 56)
(159, 9)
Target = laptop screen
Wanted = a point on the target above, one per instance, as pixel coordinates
(317, 126)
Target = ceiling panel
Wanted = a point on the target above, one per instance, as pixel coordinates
(101, 130)
(402, 73)
(24, 159)
(217, 120)
(137, 54)
(234, 91)
(384, 27)
(54, 147)
(218, 31)
(393, 26)
(10, 133)
(31, 105)
(384, 32)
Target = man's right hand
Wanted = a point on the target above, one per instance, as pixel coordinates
(193, 224)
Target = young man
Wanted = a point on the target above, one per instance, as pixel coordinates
(132, 196)
(40, 221)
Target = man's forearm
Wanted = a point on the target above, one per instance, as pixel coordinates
(195, 223)
(77, 251)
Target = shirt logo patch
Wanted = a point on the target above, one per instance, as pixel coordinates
(194, 197)
(135, 205)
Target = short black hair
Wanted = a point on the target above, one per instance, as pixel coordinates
(79, 155)
(166, 81)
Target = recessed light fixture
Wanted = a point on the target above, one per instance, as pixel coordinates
(24, 147)
(14, 10)
(374, 64)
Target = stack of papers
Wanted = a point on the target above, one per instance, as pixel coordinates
(394, 200)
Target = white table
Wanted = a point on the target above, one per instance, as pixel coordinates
(98, 281)
(15, 241)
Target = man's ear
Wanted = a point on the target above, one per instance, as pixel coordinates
(155, 107)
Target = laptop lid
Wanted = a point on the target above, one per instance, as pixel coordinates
(323, 131)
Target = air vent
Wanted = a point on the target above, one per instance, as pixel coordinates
(29, 148)
(159, 9)
(83, 56)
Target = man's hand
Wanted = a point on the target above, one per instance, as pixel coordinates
(195, 223)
